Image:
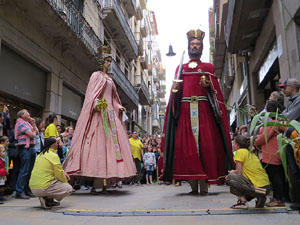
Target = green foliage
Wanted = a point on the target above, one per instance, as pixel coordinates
(263, 120)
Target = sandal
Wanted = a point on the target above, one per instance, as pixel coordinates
(43, 203)
(240, 205)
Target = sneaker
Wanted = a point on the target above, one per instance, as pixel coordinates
(260, 202)
(83, 188)
(286, 199)
(30, 194)
(22, 196)
(13, 195)
(240, 205)
(275, 203)
(295, 206)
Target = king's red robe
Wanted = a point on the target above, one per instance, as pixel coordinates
(182, 159)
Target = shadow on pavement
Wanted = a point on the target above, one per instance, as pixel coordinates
(209, 194)
(108, 193)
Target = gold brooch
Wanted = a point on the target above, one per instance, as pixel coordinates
(193, 65)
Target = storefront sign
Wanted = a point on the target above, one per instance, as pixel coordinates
(232, 115)
(268, 62)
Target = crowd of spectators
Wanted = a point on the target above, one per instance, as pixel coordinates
(20, 144)
(29, 143)
(265, 149)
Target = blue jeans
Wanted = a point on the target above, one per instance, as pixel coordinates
(27, 158)
(15, 171)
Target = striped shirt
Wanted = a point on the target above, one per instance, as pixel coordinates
(22, 127)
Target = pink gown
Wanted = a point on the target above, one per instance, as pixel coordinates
(93, 152)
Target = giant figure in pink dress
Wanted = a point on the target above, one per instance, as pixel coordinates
(100, 148)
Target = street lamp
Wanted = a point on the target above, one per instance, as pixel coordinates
(171, 53)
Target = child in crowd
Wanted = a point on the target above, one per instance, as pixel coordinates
(2, 173)
(65, 148)
(5, 142)
(149, 164)
(145, 148)
(249, 180)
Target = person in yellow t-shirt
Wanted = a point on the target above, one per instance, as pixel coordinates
(249, 180)
(48, 180)
(137, 154)
(51, 131)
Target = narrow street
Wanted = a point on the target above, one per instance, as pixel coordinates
(140, 204)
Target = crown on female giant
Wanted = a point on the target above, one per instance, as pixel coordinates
(104, 50)
(198, 34)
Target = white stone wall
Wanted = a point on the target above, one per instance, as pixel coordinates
(91, 14)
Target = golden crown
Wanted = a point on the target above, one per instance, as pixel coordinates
(104, 49)
(199, 34)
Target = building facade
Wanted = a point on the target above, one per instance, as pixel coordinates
(257, 45)
(49, 50)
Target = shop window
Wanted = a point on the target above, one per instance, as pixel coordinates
(15, 105)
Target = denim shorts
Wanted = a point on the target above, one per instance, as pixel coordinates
(149, 167)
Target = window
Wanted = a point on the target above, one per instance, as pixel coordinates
(79, 5)
(118, 57)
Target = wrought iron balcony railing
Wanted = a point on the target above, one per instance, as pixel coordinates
(144, 61)
(113, 7)
(130, 6)
(144, 95)
(68, 11)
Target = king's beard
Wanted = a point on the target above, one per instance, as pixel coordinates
(195, 53)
